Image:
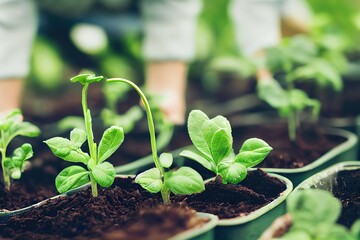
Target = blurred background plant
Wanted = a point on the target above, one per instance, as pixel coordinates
(64, 47)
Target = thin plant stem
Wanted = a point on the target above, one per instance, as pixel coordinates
(292, 126)
(165, 193)
(90, 136)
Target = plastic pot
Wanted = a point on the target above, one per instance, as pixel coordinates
(205, 232)
(277, 228)
(344, 151)
(326, 179)
(250, 227)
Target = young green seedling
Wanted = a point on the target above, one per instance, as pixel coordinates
(12, 125)
(184, 180)
(304, 65)
(213, 140)
(289, 103)
(98, 171)
(314, 213)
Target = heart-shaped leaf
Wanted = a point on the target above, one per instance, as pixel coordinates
(252, 152)
(70, 178)
(150, 180)
(104, 174)
(110, 142)
(232, 172)
(184, 181)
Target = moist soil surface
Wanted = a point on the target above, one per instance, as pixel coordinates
(347, 190)
(36, 184)
(310, 144)
(233, 200)
(124, 211)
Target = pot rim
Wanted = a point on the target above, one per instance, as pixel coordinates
(332, 170)
(261, 211)
(351, 141)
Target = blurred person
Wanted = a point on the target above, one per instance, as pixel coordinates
(169, 27)
(168, 46)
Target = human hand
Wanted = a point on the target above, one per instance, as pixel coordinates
(167, 82)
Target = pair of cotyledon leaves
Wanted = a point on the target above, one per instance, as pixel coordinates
(70, 150)
(286, 101)
(12, 125)
(213, 140)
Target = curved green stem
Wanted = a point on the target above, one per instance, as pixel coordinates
(165, 191)
(149, 120)
(90, 135)
(292, 126)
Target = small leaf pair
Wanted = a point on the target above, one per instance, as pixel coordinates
(182, 181)
(70, 150)
(98, 171)
(213, 140)
(12, 125)
(288, 103)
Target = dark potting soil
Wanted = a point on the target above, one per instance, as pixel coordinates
(347, 190)
(310, 144)
(230, 200)
(36, 184)
(124, 211)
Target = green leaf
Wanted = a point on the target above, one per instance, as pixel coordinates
(295, 235)
(304, 206)
(195, 122)
(199, 158)
(70, 178)
(104, 174)
(63, 148)
(16, 173)
(355, 229)
(232, 172)
(150, 180)
(333, 232)
(210, 127)
(110, 142)
(9, 119)
(8, 164)
(273, 94)
(23, 153)
(86, 78)
(20, 155)
(166, 160)
(298, 99)
(92, 79)
(221, 145)
(81, 78)
(252, 152)
(77, 137)
(184, 181)
(25, 129)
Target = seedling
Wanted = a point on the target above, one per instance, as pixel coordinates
(12, 125)
(213, 139)
(98, 170)
(184, 180)
(288, 103)
(314, 213)
(304, 65)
